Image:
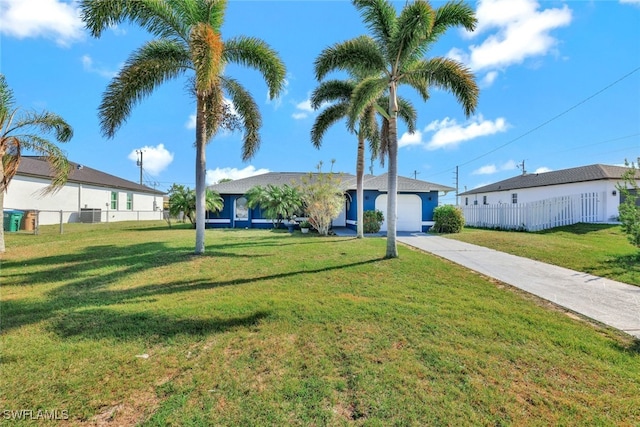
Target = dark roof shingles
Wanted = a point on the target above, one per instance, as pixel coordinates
(564, 176)
(38, 167)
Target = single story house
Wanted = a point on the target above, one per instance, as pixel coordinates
(416, 201)
(88, 196)
(598, 180)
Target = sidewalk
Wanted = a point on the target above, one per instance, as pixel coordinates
(612, 303)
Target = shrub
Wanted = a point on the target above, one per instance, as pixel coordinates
(372, 221)
(448, 219)
(629, 210)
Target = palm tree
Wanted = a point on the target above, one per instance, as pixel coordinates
(183, 200)
(188, 41)
(395, 55)
(338, 93)
(20, 132)
(277, 202)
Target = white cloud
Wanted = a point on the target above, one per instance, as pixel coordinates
(215, 175)
(492, 168)
(522, 32)
(410, 139)
(485, 170)
(449, 134)
(303, 109)
(52, 19)
(515, 31)
(154, 159)
(191, 122)
(88, 65)
(542, 169)
(488, 79)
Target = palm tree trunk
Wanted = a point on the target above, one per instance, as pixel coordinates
(359, 186)
(392, 183)
(201, 172)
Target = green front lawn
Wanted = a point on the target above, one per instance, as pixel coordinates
(598, 249)
(120, 323)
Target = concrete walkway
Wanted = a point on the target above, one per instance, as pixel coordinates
(612, 303)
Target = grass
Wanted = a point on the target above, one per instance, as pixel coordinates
(598, 249)
(120, 323)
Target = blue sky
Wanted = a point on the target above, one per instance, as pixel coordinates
(560, 87)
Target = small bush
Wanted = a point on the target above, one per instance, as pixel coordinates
(372, 221)
(448, 219)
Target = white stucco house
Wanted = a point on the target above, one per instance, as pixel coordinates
(88, 196)
(595, 183)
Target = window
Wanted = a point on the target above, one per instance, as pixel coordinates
(484, 200)
(514, 198)
(475, 202)
(114, 200)
(129, 201)
(242, 211)
(466, 201)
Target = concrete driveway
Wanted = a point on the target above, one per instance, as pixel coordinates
(612, 303)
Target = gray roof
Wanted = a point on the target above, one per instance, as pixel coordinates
(36, 166)
(370, 182)
(564, 176)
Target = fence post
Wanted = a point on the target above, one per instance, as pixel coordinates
(61, 221)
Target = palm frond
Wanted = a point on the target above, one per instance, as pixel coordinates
(407, 113)
(331, 90)
(380, 17)
(43, 122)
(365, 94)
(329, 116)
(369, 128)
(7, 101)
(255, 53)
(157, 17)
(359, 56)
(451, 76)
(452, 14)
(57, 159)
(10, 160)
(414, 23)
(147, 68)
(249, 113)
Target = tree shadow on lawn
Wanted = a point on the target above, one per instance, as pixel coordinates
(84, 291)
(123, 260)
(627, 265)
(99, 323)
(580, 228)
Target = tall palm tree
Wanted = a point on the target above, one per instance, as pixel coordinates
(395, 55)
(20, 131)
(337, 93)
(188, 41)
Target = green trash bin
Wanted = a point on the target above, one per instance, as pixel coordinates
(12, 220)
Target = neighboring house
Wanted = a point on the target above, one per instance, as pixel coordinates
(416, 201)
(597, 181)
(88, 196)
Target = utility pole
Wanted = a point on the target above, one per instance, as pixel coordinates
(139, 163)
(415, 174)
(521, 167)
(457, 182)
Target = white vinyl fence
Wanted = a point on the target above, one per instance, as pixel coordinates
(535, 216)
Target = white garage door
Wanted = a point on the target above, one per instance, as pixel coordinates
(409, 212)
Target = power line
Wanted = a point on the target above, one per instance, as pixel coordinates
(557, 116)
